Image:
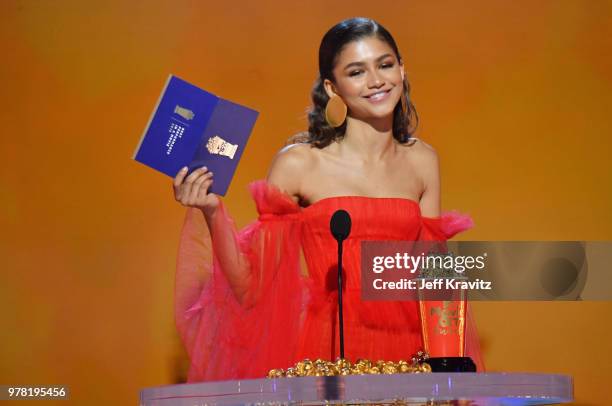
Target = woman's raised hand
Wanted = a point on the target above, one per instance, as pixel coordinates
(192, 190)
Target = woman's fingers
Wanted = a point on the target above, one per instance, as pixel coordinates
(196, 174)
(177, 182)
(203, 193)
(184, 185)
(180, 176)
(196, 186)
(191, 190)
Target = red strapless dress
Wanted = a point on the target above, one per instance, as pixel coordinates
(290, 310)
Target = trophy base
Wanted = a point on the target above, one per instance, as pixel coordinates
(451, 364)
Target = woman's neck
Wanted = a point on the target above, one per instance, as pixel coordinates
(367, 142)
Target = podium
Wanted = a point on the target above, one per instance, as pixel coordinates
(398, 389)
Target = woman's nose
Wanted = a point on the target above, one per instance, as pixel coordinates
(375, 80)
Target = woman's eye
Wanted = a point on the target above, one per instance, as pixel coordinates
(384, 66)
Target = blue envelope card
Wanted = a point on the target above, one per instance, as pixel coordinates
(191, 127)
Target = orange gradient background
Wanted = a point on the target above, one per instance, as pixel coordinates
(515, 97)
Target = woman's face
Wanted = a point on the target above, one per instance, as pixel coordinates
(369, 79)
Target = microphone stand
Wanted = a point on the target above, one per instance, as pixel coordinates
(340, 316)
(340, 227)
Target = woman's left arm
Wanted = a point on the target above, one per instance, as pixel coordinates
(430, 176)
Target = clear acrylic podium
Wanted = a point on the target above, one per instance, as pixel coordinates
(400, 389)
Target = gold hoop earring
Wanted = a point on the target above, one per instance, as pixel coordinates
(335, 111)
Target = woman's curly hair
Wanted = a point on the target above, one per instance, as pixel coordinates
(320, 134)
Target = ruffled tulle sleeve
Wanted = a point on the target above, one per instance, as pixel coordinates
(443, 228)
(244, 328)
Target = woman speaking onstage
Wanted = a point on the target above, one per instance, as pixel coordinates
(246, 301)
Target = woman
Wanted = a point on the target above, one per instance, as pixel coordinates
(250, 306)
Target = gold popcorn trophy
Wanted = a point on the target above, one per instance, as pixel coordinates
(218, 146)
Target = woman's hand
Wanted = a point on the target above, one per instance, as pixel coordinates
(192, 191)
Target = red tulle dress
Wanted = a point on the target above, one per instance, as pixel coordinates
(289, 311)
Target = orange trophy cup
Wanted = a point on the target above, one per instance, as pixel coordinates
(442, 309)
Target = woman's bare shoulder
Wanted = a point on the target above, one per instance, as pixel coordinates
(293, 157)
(289, 166)
(420, 152)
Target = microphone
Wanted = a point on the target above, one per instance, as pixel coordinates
(340, 227)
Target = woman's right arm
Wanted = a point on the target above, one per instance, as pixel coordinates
(192, 191)
(238, 279)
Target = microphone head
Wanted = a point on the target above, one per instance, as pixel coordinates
(340, 225)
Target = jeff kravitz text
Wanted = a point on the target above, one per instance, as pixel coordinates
(432, 284)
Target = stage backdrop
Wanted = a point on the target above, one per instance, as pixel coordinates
(515, 97)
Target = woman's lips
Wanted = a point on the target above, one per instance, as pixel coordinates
(378, 97)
